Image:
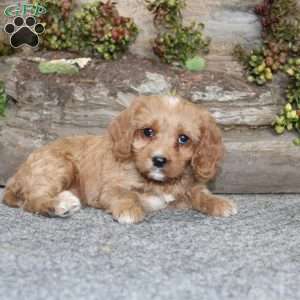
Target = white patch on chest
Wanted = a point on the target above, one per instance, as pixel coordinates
(172, 100)
(168, 198)
(152, 203)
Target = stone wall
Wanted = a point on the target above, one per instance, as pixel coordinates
(227, 22)
(48, 107)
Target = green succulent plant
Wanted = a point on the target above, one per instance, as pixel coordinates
(262, 63)
(167, 13)
(280, 20)
(101, 30)
(292, 69)
(289, 118)
(95, 29)
(175, 42)
(258, 71)
(180, 44)
(58, 24)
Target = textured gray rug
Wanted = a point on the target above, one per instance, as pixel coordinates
(173, 255)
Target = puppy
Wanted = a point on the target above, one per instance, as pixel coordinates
(159, 152)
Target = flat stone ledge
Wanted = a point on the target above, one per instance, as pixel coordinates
(49, 107)
(259, 161)
(104, 88)
(256, 161)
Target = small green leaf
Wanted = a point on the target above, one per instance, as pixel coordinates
(58, 68)
(195, 64)
(279, 129)
(296, 142)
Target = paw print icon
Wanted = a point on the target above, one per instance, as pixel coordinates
(24, 32)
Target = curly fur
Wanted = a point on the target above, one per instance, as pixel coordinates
(115, 171)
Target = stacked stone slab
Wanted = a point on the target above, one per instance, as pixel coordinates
(48, 107)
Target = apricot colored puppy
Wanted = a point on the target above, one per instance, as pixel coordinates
(159, 152)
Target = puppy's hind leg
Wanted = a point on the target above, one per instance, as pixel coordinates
(43, 182)
(65, 204)
(10, 197)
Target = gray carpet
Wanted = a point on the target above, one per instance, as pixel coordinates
(173, 255)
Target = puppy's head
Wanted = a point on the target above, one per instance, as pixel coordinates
(163, 135)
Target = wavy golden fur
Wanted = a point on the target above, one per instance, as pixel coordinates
(159, 152)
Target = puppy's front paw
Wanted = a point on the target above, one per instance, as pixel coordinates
(214, 206)
(129, 214)
(223, 208)
(132, 215)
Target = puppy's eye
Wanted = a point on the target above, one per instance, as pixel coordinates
(148, 132)
(183, 139)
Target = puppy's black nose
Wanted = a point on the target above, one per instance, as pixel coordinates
(159, 161)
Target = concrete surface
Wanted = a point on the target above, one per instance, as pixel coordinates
(173, 255)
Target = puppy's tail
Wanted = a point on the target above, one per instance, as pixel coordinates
(10, 194)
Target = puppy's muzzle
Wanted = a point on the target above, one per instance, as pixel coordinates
(159, 161)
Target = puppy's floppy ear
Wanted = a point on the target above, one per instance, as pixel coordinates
(210, 148)
(122, 130)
